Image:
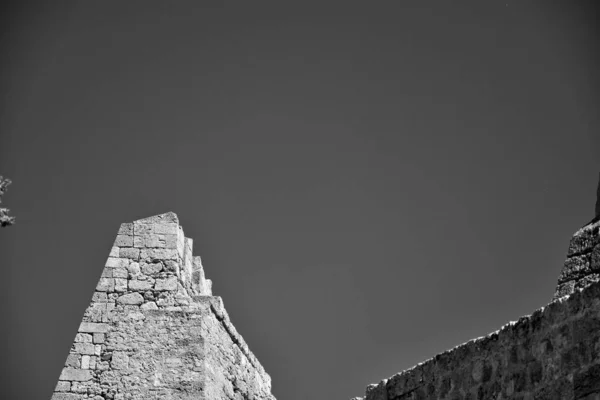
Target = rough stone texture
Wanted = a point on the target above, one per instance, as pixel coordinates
(153, 330)
(582, 266)
(552, 354)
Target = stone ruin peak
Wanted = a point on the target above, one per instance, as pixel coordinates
(154, 330)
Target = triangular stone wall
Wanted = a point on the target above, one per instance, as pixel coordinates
(153, 330)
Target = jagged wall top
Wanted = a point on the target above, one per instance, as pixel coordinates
(160, 239)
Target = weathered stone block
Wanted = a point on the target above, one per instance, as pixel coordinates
(62, 386)
(83, 348)
(90, 327)
(72, 374)
(171, 241)
(150, 241)
(119, 272)
(140, 285)
(166, 284)
(105, 285)
(126, 229)
(130, 253)
(99, 297)
(151, 268)
(120, 285)
(140, 229)
(166, 229)
(158, 254)
(98, 338)
(83, 338)
(124, 241)
(131, 298)
(73, 360)
(113, 262)
(149, 306)
(85, 362)
(114, 252)
(107, 273)
(134, 268)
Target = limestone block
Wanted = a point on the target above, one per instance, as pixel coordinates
(129, 252)
(99, 297)
(114, 252)
(131, 298)
(166, 229)
(62, 386)
(151, 268)
(72, 374)
(140, 229)
(166, 284)
(96, 312)
(98, 338)
(158, 254)
(124, 241)
(85, 362)
(73, 360)
(149, 306)
(107, 273)
(171, 240)
(150, 241)
(113, 262)
(119, 272)
(120, 285)
(84, 348)
(106, 285)
(91, 327)
(140, 285)
(134, 268)
(126, 229)
(83, 338)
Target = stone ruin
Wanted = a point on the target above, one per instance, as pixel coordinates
(153, 329)
(553, 353)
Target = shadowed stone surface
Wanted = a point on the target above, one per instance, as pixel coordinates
(552, 354)
(153, 330)
(582, 266)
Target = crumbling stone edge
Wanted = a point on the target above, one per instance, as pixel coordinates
(414, 378)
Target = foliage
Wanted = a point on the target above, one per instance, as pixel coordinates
(5, 219)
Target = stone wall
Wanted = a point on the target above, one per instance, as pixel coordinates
(582, 266)
(552, 354)
(153, 330)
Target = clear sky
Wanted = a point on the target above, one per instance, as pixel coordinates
(367, 184)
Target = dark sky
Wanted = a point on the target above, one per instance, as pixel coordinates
(368, 185)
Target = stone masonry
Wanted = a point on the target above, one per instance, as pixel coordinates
(153, 329)
(552, 354)
(582, 266)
